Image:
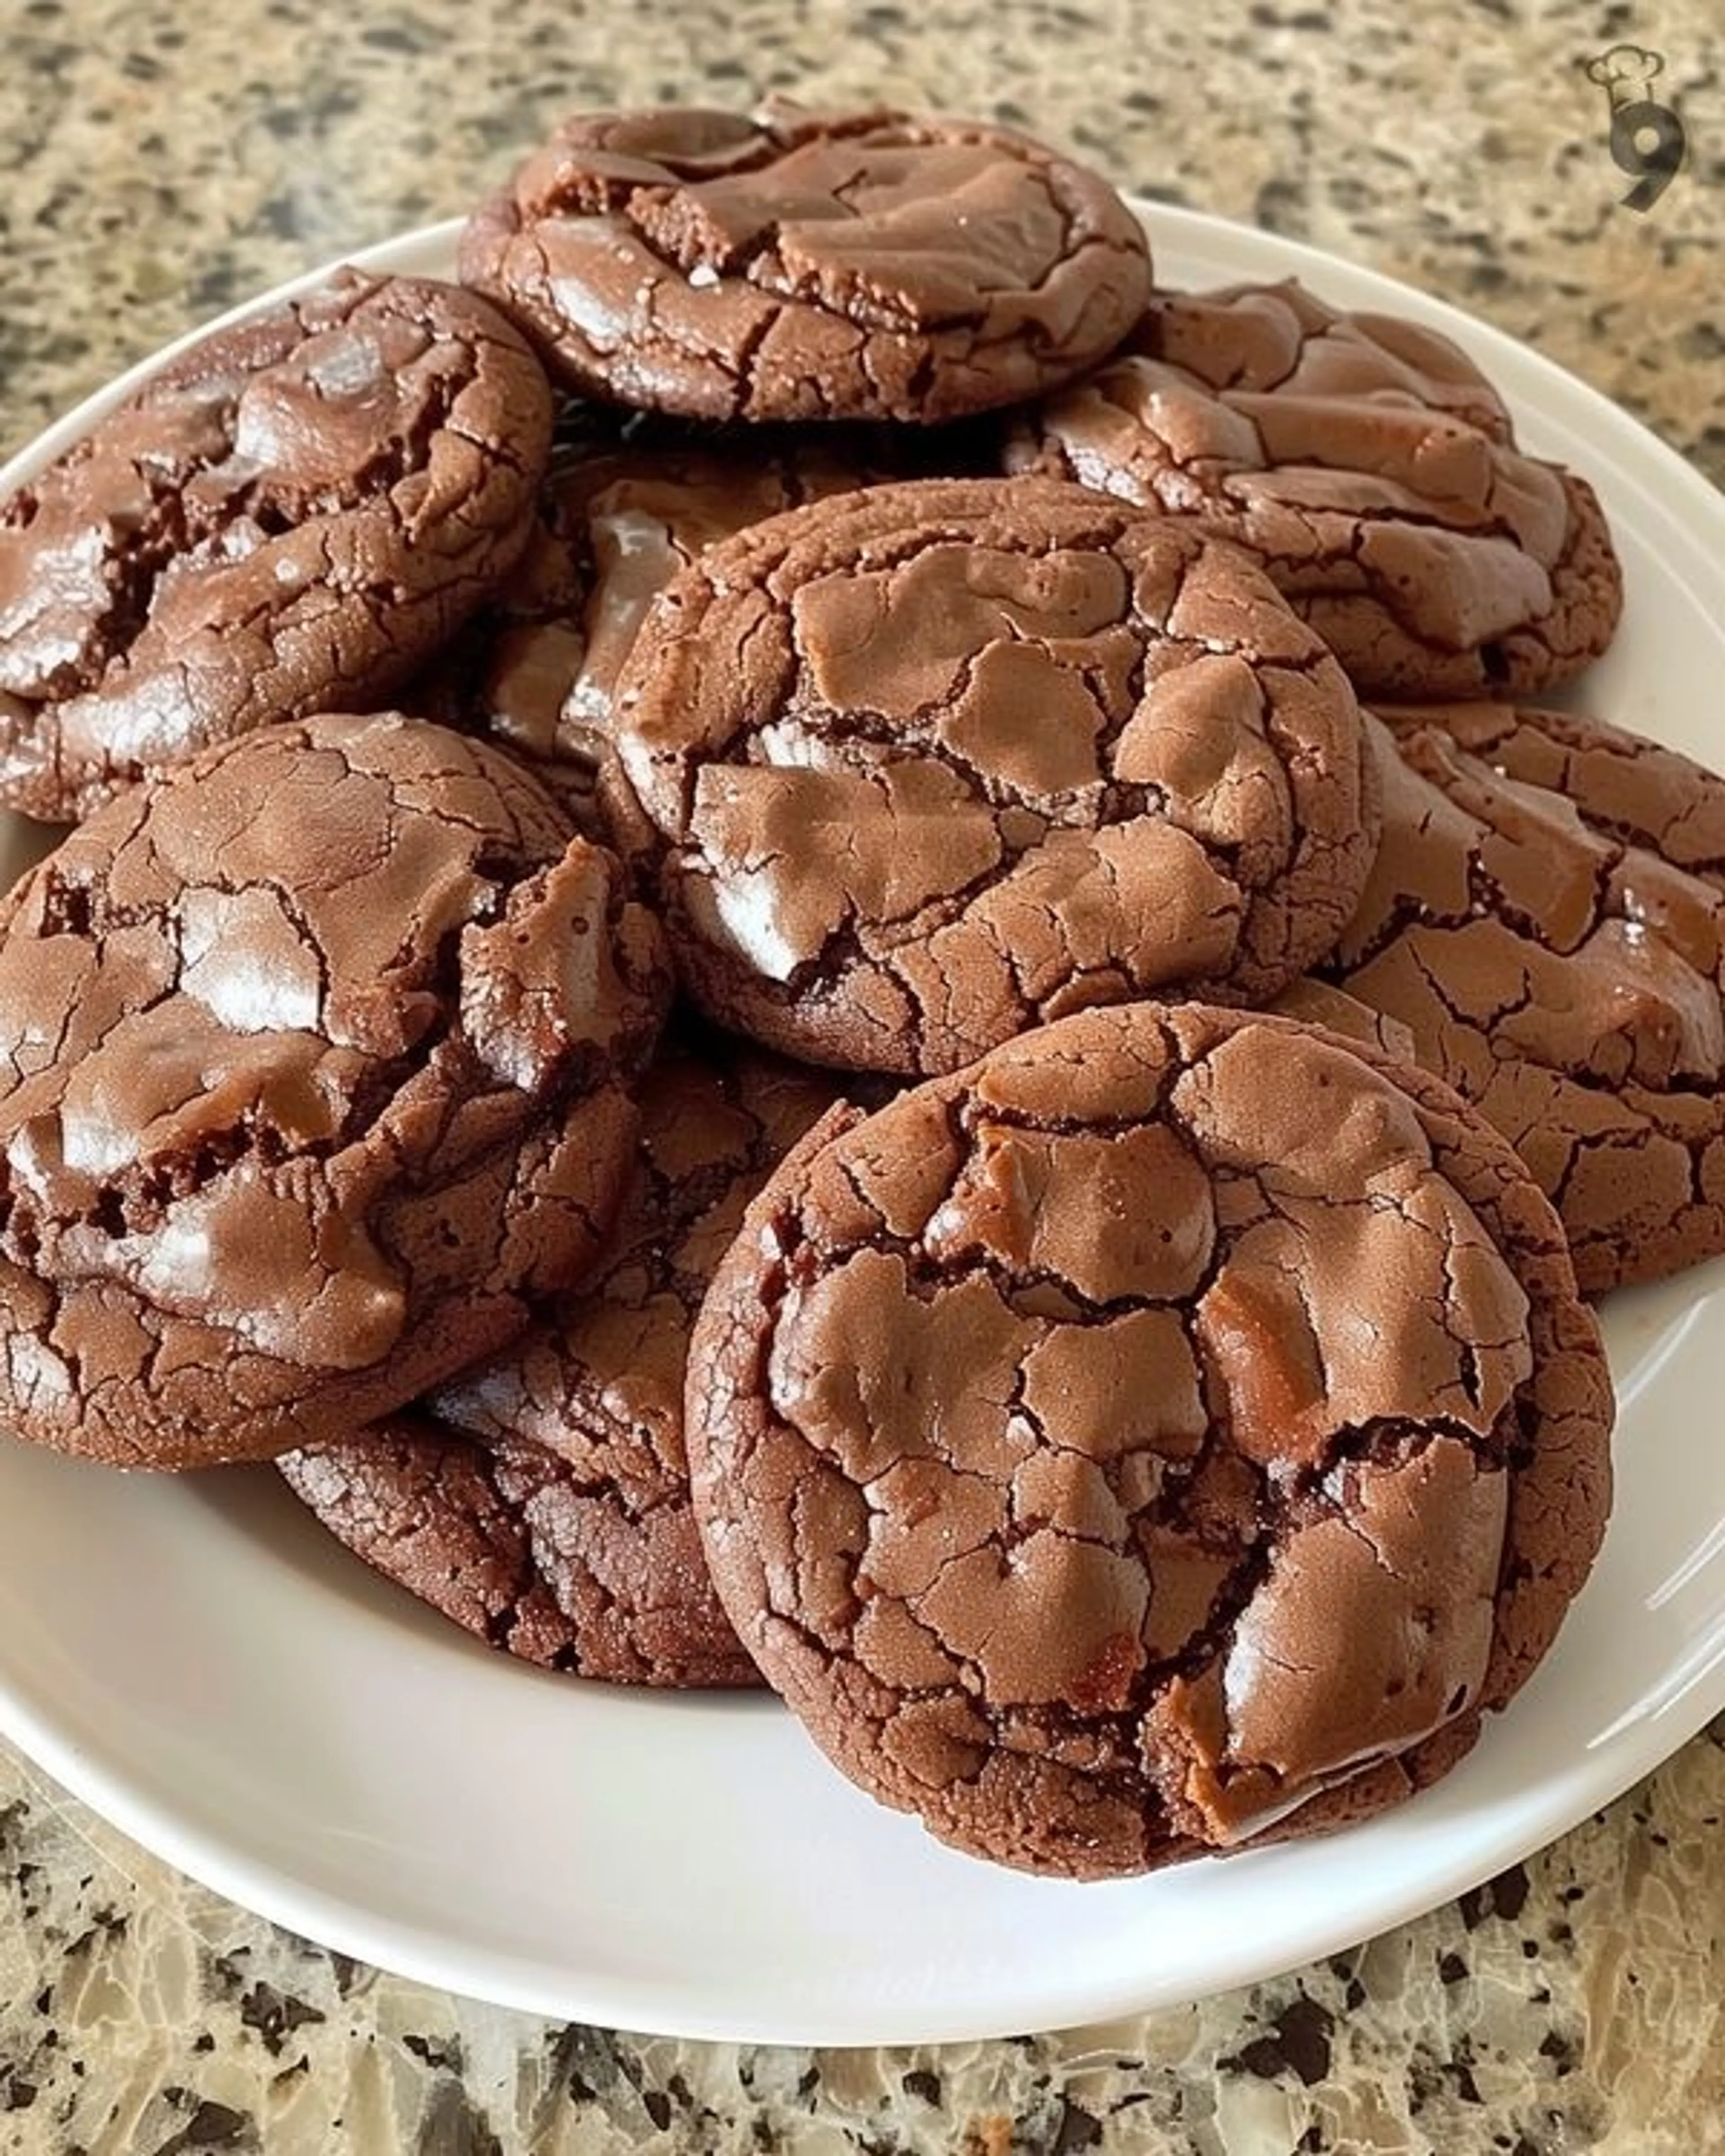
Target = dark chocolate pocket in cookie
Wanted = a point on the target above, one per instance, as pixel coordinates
(316, 1067)
(285, 519)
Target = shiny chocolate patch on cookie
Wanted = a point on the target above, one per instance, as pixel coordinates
(1547, 917)
(1369, 468)
(809, 266)
(285, 519)
(542, 1498)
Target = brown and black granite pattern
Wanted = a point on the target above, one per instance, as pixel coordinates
(1566, 2006)
(259, 144)
(161, 164)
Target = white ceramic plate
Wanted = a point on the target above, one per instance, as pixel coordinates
(199, 1662)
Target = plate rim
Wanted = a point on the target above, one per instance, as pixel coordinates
(618, 1999)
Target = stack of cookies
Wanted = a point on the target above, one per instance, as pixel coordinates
(809, 942)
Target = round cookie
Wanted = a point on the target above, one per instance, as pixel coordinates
(800, 264)
(315, 1067)
(917, 768)
(542, 1498)
(1547, 917)
(286, 519)
(1372, 470)
(1051, 1427)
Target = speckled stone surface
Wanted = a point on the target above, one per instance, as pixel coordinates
(162, 163)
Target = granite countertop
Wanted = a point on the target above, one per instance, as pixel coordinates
(163, 163)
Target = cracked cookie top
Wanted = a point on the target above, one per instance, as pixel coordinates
(798, 265)
(917, 768)
(542, 1498)
(285, 519)
(315, 1067)
(1546, 916)
(1051, 1426)
(1372, 470)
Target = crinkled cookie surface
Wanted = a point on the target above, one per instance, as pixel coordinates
(1051, 1426)
(538, 665)
(1369, 468)
(316, 1067)
(541, 1498)
(916, 768)
(1546, 916)
(284, 520)
(809, 266)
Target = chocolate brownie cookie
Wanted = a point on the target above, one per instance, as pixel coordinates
(286, 519)
(315, 1067)
(542, 1498)
(1178, 1429)
(809, 266)
(1370, 469)
(1546, 916)
(929, 763)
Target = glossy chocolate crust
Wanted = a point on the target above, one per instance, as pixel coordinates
(1175, 1431)
(316, 1069)
(285, 519)
(542, 1498)
(800, 264)
(1368, 467)
(916, 768)
(1547, 917)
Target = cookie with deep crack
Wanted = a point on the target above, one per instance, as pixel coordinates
(316, 1068)
(796, 264)
(916, 768)
(542, 1498)
(285, 519)
(1051, 1427)
(1546, 916)
(1370, 468)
